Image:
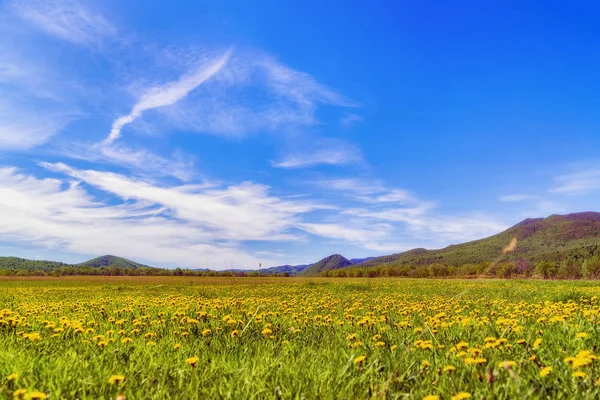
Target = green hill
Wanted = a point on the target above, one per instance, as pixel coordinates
(22, 264)
(109, 261)
(556, 238)
(335, 261)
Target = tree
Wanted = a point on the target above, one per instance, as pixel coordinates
(591, 268)
(546, 269)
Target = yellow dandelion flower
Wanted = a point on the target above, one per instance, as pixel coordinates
(234, 333)
(19, 393)
(579, 374)
(126, 340)
(116, 379)
(192, 361)
(206, 332)
(582, 335)
(12, 377)
(460, 396)
(449, 368)
(177, 346)
(431, 397)
(537, 343)
(545, 371)
(359, 360)
(507, 364)
(266, 332)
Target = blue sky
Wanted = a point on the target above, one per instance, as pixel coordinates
(218, 134)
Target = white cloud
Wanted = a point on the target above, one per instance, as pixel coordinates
(26, 127)
(252, 93)
(513, 198)
(351, 119)
(69, 20)
(324, 151)
(366, 190)
(582, 181)
(360, 186)
(191, 225)
(168, 94)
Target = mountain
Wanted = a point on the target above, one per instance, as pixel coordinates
(555, 238)
(22, 264)
(109, 261)
(282, 269)
(335, 261)
(360, 260)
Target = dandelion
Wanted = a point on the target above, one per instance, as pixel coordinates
(537, 343)
(545, 371)
(19, 393)
(192, 361)
(37, 396)
(13, 377)
(116, 379)
(206, 332)
(582, 335)
(579, 374)
(266, 332)
(126, 340)
(507, 364)
(460, 396)
(431, 397)
(234, 333)
(177, 346)
(394, 347)
(449, 368)
(359, 360)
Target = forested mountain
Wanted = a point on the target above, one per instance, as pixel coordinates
(22, 264)
(335, 261)
(109, 261)
(565, 241)
(541, 239)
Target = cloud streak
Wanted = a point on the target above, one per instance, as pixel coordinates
(65, 19)
(323, 152)
(168, 94)
(583, 181)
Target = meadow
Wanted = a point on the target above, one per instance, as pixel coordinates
(294, 338)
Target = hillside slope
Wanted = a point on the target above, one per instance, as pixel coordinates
(335, 261)
(22, 264)
(556, 238)
(109, 261)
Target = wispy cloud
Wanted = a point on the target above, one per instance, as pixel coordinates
(325, 151)
(69, 20)
(365, 190)
(168, 94)
(351, 119)
(26, 127)
(513, 198)
(584, 180)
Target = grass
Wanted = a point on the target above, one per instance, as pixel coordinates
(297, 338)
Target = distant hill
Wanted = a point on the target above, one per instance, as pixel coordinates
(109, 261)
(283, 269)
(22, 264)
(556, 238)
(335, 261)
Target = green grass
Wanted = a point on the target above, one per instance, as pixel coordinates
(315, 359)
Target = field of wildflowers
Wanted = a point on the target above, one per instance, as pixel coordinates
(197, 338)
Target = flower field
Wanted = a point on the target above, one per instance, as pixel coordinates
(197, 338)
